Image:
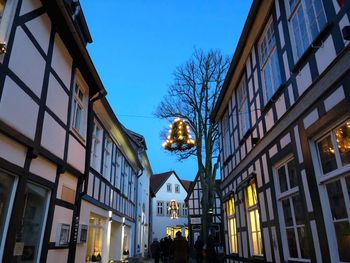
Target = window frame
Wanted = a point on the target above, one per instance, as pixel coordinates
(267, 62)
(177, 188)
(96, 152)
(160, 206)
(288, 195)
(243, 107)
(291, 14)
(226, 140)
(322, 181)
(249, 209)
(169, 188)
(81, 86)
(232, 237)
(107, 157)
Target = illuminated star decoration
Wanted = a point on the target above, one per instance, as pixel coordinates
(179, 138)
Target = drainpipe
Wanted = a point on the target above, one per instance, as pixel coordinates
(137, 196)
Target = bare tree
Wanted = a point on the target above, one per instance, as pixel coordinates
(192, 96)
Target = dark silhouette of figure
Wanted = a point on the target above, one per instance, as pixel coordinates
(179, 249)
(211, 253)
(155, 250)
(198, 246)
(165, 250)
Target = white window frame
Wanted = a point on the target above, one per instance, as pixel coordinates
(243, 108)
(79, 82)
(118, 171)
(160, 207)
(96, 146)
(288, 195)
(184, 210)
(9, 211)
(290, 16)
(266, 62)
(107, 157)
(168, 188)
(6, 22)
(254, 208)
(322, 180)
(177, 188)
(232, 233)
(226, 140)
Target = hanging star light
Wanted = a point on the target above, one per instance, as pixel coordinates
(179, 138)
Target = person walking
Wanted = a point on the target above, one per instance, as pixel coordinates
(155, 250)
(211, 253)
(198, 246)
(179, 249)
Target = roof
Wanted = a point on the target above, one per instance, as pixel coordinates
(158, 180)
(186, 184)
(241, 46)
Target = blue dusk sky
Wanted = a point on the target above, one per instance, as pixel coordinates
(137, 44)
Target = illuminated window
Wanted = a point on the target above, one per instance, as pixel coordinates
(255, 240)
(333, 156)
(306, 19)
(232, 228)
(294, 234)
(334, 148)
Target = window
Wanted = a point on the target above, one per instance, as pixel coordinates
(118, 168)
(79, 108)
(94, 249)
(243, 111)
(231, 221)
(160, 208)
(334, 157)
(7, 186)
(270, 70)
(334, 148)
(168, 212)
(107, 158)
(7, 13)
(255, 240)
(184, 209)
(177, 188)
(33, 221)
(226, 136)
(96, 147)
(294, 235)
(168, 188)
(306, 19)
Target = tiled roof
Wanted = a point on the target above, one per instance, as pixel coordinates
(186, 184)
(157, 180)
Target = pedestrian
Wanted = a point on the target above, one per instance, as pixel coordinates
(166, 247)
(179, 249)
(155, 250)
(211, 253)
(198, 246)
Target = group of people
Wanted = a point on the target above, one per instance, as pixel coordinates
(178, 250)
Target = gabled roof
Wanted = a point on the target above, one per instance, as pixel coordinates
(186, 184)
(158, 180)
(192, 185)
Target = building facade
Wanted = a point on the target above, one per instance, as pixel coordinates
(284, 135)
(168, 187)
(194, 204)
(68, 169)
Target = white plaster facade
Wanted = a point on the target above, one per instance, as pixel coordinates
(161, 222)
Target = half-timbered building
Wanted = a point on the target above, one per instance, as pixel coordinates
(194, 204)
(284, 123)
(108, 208)
(46, 82)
